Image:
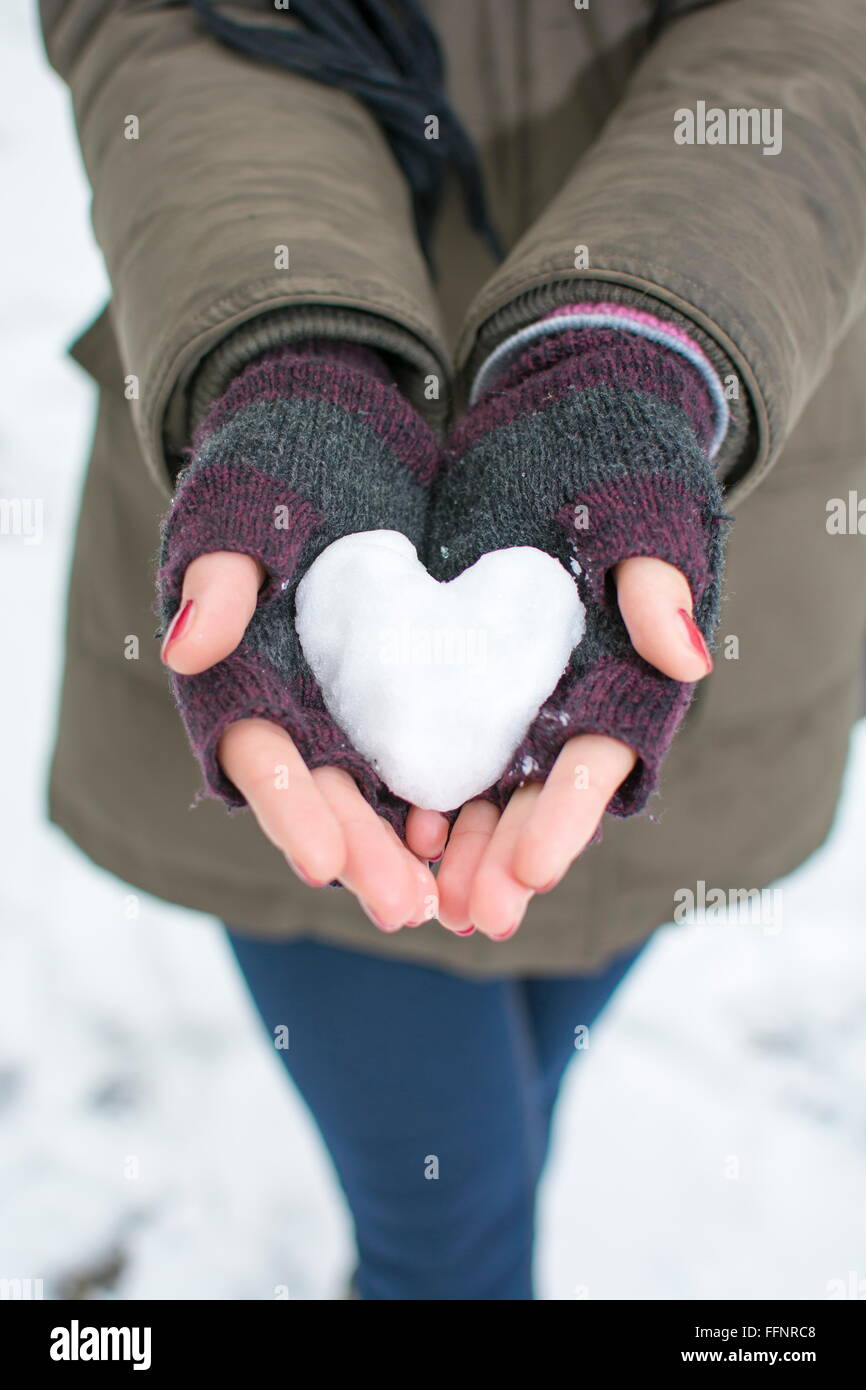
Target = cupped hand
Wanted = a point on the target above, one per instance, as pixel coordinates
(495, 862)
(318, 819)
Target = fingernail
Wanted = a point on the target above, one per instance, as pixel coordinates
(377, 921)
(438, 857)
(305, 877)
(695, 638)
(178, 625)
(468, 931)
(504, 935)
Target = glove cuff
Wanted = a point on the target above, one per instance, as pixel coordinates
(579, 360)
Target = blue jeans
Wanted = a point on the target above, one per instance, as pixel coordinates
(434, 1095)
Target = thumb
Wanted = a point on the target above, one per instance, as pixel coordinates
(655, 601)
(218, 600)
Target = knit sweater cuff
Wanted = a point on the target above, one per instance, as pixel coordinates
(413, 363)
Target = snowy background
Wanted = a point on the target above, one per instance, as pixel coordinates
(711, 1144)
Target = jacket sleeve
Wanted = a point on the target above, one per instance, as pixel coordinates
(765, 253)
(226, 189)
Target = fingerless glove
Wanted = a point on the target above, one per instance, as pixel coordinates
(309, 443)
(592, 446)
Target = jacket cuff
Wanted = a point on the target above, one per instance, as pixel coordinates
(416, 370)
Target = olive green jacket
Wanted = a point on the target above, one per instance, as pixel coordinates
(574, 112)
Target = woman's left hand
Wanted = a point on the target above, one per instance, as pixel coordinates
(494, 862)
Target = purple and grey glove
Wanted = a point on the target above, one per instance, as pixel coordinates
(309, 443)
(592, 447)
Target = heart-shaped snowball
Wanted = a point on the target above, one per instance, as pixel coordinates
(435, 684)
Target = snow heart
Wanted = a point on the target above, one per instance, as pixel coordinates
(435, 684)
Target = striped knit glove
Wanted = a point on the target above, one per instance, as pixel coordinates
(592, 447)
(308, 444)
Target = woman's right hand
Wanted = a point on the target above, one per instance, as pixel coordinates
(318, 819)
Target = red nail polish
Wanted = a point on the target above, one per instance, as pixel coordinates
(437, 859)
(178, 625)
(696, 638)
(467, 932)
(504, 935)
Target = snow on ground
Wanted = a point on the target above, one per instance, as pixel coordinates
(710, 1144)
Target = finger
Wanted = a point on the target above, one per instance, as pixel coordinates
(568, 809)
(655, 601)
(426, 833)
(219, 598)
(268, 770)
(469, 838)
(378, 869)
(427, 894)
(497, 900)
